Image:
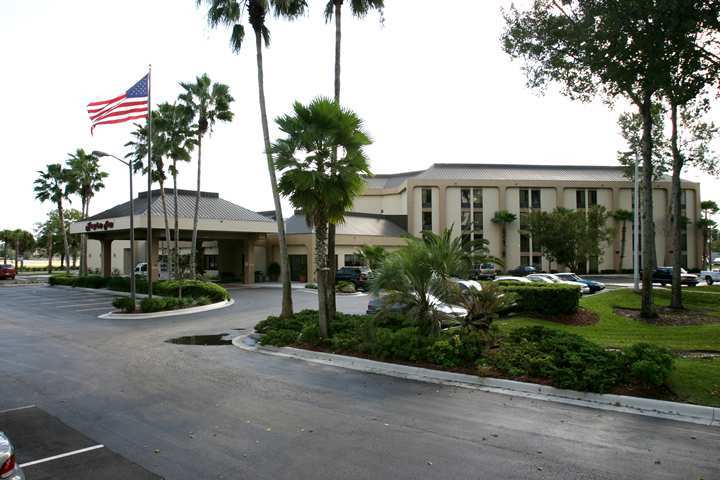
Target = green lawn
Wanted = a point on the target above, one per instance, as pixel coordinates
(695, 380)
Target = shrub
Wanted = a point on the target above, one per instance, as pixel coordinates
(200, 301)
(344, 286)
(648, 365)
(124, 303)
(280, 337)
(150, 305)
(311, 286)
(568, 360)
(545, 299)
(192, 289)
(276, 323)
(122, 284)
(273, 270)
(62, 279)
(91, 281)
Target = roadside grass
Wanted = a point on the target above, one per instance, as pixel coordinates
(694, 380)
(709, 288)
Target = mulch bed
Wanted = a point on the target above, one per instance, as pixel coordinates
(582, 317)
(668, 316)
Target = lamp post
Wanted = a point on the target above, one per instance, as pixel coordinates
(636, 226)
(132, 223)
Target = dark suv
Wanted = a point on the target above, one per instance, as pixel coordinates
(522, 271)
(663, 276)
(358, 276)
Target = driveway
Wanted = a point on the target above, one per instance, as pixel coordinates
(183, 411)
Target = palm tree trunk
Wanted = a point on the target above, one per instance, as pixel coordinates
(623, 239)
(167, 229)
(61, 218)
(287, 307)
(321, 264)
(504, 245)
(50, 252)
(676, 192)
(197, 210)
(176, 253)
(647, 309)
(332, 264)
(17, 248)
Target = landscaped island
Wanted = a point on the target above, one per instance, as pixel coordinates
(171, 294)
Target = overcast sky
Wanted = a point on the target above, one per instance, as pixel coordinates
(432, 84)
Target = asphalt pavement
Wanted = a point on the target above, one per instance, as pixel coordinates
(203, 412)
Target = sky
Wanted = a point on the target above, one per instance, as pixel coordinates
(431, 84)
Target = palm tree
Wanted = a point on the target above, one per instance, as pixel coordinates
(373, 255)
(207, 103)
(179, 137)
(6, 236)
(85, 179)
(333, 8)
(138, 153)
(453, 258)
(708, 207)
(504, 218)
(229, 13)
(52, 185)
(24, 241)
(322, 190)
(622, 216)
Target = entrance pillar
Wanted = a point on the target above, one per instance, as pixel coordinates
(249, 262)
(155, 257)
(106, 253)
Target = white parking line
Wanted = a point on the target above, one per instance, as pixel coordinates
(62, 455)
(95, 309)
(17, 408)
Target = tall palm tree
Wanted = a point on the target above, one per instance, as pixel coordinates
(52, 185)
(304, 157)
(333, 8)
(207, 103)
(504, 218)
(24, 241)
(6, 236)
(85, 179)
(373, 255)
(137, 155)
(229, 13)
(622, 217)
(175, 123)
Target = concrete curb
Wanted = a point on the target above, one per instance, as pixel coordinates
(169, 313)
(683, 412)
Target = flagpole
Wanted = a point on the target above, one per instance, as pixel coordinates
(149, 189)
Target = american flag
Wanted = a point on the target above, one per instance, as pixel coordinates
(131, 105)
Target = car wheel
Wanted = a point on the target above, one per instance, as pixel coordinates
(662, 284)
(709, 280)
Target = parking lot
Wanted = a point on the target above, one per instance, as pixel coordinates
(46, 448)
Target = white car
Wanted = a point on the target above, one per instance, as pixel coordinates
(551, 278)
(509, 278)
(465, 285)
(710, 276)
(9, 469)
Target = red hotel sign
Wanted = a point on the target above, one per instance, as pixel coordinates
(92, 226)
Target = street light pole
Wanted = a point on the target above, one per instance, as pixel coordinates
(132, 221)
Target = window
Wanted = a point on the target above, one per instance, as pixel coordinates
(592, 198)
(524, 199)
(426, 198)
(427, 223)
(683, 200)
(579, 198)
(524, 260)
(465, 198)
(477, 198)
(524, 221)
(354, 260)
(465, 221)
(477, 221)
(535, 197)
(524, 243)
(683, 240)
(537, 262)
(466, 239)
(211, 262)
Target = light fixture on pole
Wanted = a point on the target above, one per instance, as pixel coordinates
(100, 154)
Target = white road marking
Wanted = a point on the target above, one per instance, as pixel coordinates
(17, 408)
(96, 309)
(85, 304)
(62, 455)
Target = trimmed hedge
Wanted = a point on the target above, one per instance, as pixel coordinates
(124, 303)
(545, 299)
(195, 289)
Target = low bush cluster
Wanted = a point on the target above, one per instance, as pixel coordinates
(161, 304)
(195, 289)
(545, 299)
(344, 286)
(572, 362)
(124, 303)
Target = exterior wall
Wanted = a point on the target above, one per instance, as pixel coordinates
(512, 205)
(415, 226)
(492, 232)
(393, 204)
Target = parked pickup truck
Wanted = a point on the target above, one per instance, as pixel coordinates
(710, 276)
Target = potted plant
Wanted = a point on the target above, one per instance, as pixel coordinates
(274, 271)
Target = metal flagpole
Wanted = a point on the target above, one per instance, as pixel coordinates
(636, 227)
(132, 237)
(148, 249)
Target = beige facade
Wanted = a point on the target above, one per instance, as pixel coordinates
(434, 200)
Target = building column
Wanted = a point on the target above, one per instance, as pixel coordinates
(155, 259)
(249, 262)
(106, 253)
(442, 209)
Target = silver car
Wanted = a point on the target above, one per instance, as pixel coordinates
(552, 278)
(9, 469)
